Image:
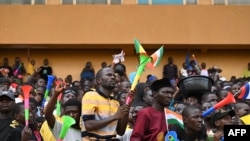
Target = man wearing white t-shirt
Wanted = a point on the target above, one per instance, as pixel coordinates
(71, 108)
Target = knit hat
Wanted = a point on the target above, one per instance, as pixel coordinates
(158, 84)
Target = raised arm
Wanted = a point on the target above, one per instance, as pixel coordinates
(51, 105)
(33, 76)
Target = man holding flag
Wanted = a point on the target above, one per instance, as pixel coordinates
(102, 116)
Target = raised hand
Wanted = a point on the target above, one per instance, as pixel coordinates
(122, 111)
(26, 134)
(59, 88)
(218, 135)
(130, 97)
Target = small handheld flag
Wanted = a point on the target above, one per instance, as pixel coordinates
(244, 92)
(173, 118)
(117, 58)
(144, 59)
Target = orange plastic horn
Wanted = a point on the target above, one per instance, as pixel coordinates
(228, 100)
(26, 91)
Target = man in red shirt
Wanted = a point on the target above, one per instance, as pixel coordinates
(150, 123)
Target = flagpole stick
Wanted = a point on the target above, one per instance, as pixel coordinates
(136, 79)
(138, 74)
(237, 93)
(166, 120)
(171, 105)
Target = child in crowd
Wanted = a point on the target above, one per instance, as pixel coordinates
(21, 132)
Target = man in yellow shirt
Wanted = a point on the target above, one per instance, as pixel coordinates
(31, 67)
(102, 116)
(246, 72)
(45, 131)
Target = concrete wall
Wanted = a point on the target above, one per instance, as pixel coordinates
(64, 62)
(70, 35)
(119, 24)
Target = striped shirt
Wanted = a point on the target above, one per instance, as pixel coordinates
(95, 106)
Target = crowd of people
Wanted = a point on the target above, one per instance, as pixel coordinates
(105, 108)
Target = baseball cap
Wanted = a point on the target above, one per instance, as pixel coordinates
(219, 114)
(8, 93)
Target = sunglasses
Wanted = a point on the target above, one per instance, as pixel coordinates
(69, 91)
